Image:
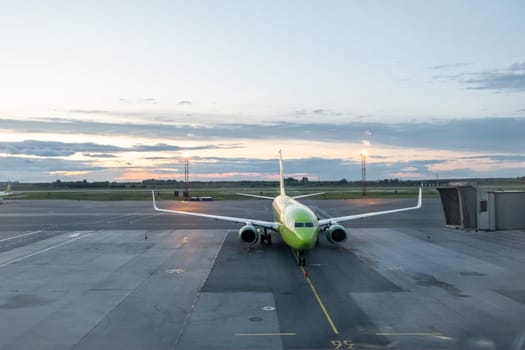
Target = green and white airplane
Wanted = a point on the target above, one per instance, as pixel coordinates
(7, 192)
(297, 224)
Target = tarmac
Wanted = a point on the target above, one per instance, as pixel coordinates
(82, 275)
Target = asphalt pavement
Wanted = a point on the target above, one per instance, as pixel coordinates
(82, 275)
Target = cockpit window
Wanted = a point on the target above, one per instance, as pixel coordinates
(304, 224)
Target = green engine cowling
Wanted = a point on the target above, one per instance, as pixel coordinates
(248, 235)
(336, 234)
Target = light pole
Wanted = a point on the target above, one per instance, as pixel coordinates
(186, 194)
(364, 153)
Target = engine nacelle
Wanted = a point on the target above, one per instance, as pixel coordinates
(248, 235)
(336, 234)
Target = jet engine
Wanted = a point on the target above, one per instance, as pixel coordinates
(336, 234)
(248, 235)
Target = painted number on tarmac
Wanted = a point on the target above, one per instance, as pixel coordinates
(342, 344)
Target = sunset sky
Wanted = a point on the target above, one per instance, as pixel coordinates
(123, 90)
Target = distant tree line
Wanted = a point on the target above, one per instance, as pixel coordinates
(290, 181)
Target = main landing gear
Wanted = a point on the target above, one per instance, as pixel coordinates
(266, 237)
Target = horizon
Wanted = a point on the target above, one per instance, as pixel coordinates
(293, 181)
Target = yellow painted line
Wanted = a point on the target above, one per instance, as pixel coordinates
(264, 334)
(326, 314)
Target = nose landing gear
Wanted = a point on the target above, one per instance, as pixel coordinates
(301, 261)
(301, 257)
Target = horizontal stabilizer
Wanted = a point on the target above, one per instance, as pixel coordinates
(308, 195)
(255, 196)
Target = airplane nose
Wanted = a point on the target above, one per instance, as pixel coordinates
(306, 238)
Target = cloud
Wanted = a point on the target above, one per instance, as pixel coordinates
(165, 147)
(510, 79)
(476, 164)
(47, 169)
(52, 148)
(184, 103)
(457, 134)
(144, 100)
(99, 155)
(451, 65)
(315, 113)
(312, 167)
(63, 149)
(448, 147)
(68, 173)
(408, 175)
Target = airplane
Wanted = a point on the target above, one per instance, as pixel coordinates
(7, 192)
(297, 224)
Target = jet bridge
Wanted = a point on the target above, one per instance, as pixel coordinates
(468, 208)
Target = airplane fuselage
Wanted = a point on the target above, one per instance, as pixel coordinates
(298, 225)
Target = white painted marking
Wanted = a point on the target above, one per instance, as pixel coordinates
(415, 334)
(45, 250)
(23, 235)
(177, 271)
(268, 308)
(75, 234)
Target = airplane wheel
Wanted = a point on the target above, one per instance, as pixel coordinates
(301, 259)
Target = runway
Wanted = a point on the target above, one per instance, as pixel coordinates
(81, 275)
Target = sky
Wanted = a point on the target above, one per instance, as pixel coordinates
(124, 90)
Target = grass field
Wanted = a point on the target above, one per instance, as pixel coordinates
(228, 191)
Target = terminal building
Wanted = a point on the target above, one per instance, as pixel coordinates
(469, 208)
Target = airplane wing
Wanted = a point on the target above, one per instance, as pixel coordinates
(329, 221)
(268, 224)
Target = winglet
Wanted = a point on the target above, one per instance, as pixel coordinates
(154, 201)
(419, 200)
